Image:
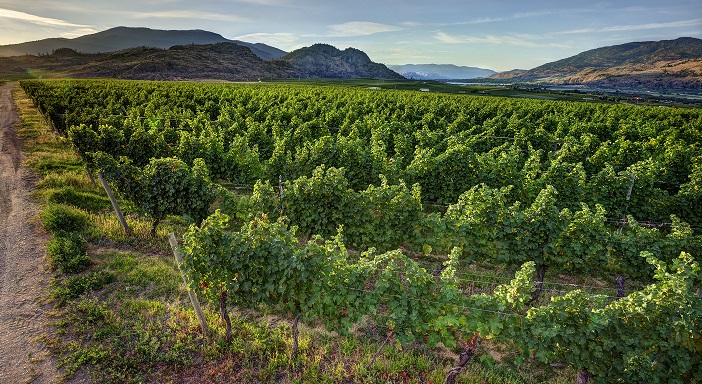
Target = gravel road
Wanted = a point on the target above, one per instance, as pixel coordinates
(23, 275)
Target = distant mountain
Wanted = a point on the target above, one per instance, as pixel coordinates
(508, 74)
(121, 38)
(669, 64)
(440, 71)
(221, 61)
(326, 61)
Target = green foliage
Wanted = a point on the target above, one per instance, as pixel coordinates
(263, 199)
(75, 286)
(263, 263)
(480, 220)
(649, 336)
(483, 226)
(172, 188)
(581, 246)
(84, 200)
(689, 200)
(447, 144)
(319, 204)
(165, 186)
(67, 253)
(59, 218)
(384, 216)
(241, 164)
(524, 183)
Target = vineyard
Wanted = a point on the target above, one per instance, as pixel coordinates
(345, 206)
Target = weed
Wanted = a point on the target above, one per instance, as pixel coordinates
(75, 286)
(84, 200)
(67, 253)
(64, 179)
(59, 218)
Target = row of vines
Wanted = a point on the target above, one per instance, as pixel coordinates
(580, 188)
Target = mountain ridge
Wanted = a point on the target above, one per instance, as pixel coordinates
(220, 61)
(440, 71)
(120, 38)
(671, 64)
(326, 61)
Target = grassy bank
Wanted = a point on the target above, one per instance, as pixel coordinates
(122, 312)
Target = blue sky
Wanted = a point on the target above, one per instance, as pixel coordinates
(499, 35)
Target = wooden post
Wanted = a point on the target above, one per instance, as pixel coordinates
(631, 186)
(193, 297)
(90, 175)
(118, 211)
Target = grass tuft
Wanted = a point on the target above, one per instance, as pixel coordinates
(64, 219)
(67, 254)
(88, 201)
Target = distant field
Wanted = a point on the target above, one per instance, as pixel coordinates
(641, 98)
(27, 75)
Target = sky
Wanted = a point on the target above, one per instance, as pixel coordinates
(499, 35)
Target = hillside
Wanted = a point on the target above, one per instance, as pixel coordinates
(120, 38)
(326, 61)
(671, 64)
(440, 71)
(221, 61)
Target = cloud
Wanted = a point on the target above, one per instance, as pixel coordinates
(492, 40)
(274, 39)
(484, 20)
(265, 2)
(520, 15)
(183, 14)
(79, 32)
(360, 28)
(636, 27)
(34, 19)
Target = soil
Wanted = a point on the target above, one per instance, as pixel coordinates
(23, 272)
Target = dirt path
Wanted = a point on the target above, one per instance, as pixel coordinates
(22, 270)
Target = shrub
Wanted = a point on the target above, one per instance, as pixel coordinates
(59, 218)
(67, 254)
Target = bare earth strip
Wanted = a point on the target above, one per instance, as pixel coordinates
(23, 275)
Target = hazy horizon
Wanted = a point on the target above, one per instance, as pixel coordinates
(497, 35)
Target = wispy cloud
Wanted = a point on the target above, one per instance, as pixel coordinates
(494, 40)
(491, 40)
(39, 20)
(275, 39)
(360, 28)
(636, 27)
(484, 20)
(267, 2)
(516, 16)
(187, 14)
(79, 32)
